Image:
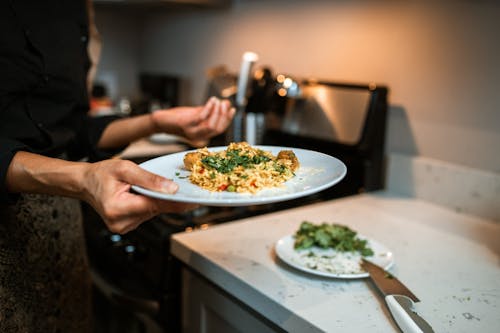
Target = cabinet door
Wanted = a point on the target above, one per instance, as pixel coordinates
(206, 309)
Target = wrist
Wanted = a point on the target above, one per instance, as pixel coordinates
(74, 178)
(153, 120)
(32, 173)
(163, 121)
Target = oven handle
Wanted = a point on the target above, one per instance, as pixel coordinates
(119, 297)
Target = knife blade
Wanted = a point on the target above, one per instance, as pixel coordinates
(399, 299)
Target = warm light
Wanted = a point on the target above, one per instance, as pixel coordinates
(204, 226)
(188, 229)
(280, 78)
(259, 74)
(229, 91)
(282, 92)
(250, 57)
(288, 82)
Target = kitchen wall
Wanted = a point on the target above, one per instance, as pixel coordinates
(439, 59)
(121, 32)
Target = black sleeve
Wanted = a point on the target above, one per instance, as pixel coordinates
(89, 131)
(96, 127)
(8, 148)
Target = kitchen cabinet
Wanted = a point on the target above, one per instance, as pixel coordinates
(208, 309)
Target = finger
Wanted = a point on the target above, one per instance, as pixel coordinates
(164, 206)
(136, 175)
(145, 208)
(226, 117)
(226, 105)
(208, 108)
(129, 212)
(215, 116)
(141, 208)
(229, 111)
(199, 143)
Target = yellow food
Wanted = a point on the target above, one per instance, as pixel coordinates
(240, 168)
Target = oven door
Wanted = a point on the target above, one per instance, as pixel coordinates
(136, 281)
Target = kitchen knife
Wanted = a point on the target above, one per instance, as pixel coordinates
(398, 298)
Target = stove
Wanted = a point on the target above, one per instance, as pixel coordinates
(136, 272)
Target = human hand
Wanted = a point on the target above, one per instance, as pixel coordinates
(107, 187)
(198, 123)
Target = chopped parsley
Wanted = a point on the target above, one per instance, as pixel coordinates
(233, 159)
(178, 174)
(335, 236)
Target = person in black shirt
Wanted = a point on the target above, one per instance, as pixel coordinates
(45, 132)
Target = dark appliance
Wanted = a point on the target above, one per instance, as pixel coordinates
(136, 274)
(344, 120)
(157, 91)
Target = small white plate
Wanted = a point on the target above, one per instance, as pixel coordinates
(317, 172)
(331, 263)
(165, 138)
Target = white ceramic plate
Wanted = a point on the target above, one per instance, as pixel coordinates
(331, 263)
(317, 172)
(164, 138)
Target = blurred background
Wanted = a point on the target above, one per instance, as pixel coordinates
(361, 80)
(439, 58)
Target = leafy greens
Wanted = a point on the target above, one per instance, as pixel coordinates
(335, 236)
(232, 160)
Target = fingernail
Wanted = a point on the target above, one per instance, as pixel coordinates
(169, 186)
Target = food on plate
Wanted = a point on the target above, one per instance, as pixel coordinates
(332, 248)
(289, 155)
(190, 159)
(335, 236)
(240, 168)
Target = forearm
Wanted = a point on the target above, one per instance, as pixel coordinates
(121, 132)
(32, 173)
(197, 123)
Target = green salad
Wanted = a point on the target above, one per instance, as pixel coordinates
(335, 236)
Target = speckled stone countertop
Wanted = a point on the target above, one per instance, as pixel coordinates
(450, 260)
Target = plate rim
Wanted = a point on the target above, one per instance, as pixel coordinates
(307, 270)
(247, 199)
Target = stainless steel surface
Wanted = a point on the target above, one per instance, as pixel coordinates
(240, 129)
(325, 112)
(386, 282)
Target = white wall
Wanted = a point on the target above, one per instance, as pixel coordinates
(441, 61)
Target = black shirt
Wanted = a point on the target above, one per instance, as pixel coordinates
(43, 91)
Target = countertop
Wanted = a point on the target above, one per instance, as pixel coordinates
(450, 260)
(147, 148)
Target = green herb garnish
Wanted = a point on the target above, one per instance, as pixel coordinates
(232, 160)
(335, 236)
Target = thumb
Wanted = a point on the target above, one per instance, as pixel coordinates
(140, 177)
